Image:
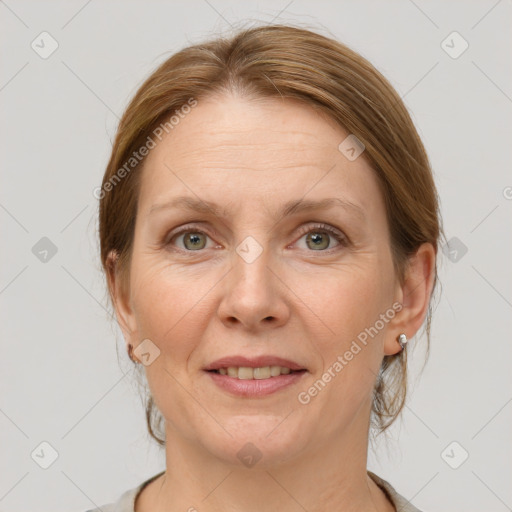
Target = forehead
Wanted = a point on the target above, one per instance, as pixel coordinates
(258, 146)
(231, 130)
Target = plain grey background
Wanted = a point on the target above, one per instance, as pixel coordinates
(60, 377)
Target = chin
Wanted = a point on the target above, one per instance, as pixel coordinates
(257, 441)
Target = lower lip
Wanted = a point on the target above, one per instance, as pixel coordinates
(255, 387)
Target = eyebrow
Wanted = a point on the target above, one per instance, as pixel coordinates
(291, 207)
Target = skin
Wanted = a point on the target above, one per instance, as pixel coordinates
(296, 301)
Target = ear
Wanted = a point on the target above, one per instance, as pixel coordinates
(414, 295)
(121, 300)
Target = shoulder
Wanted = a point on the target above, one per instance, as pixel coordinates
(400, 503)
(126, 502)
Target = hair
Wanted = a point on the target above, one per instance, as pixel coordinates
(296, 64)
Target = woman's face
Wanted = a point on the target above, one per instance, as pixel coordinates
(253, 269)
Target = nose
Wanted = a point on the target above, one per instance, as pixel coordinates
(254, 296)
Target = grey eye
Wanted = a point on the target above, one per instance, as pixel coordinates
(319, 239)
(194, 241)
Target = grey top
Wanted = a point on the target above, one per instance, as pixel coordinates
(126, 502)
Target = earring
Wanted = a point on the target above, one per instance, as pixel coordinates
(402, 340)
(130, 353)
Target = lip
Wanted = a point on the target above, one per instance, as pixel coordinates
(253, 362)
(254, 388)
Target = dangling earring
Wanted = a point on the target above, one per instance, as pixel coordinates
(130, 353)
(402, 340)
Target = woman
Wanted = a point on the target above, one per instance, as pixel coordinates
(269, 227)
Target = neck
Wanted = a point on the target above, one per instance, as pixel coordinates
(329, 475)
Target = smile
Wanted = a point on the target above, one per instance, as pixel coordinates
(254, 382)
(247, 373)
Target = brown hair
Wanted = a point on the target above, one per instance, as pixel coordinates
(295, 63)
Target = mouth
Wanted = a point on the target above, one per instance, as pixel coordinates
(258, 373)
(247, 368)
(252, 378)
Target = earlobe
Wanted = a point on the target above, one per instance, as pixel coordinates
(120, 298)
(415, 296)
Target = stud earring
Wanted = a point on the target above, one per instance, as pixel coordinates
(402, 340)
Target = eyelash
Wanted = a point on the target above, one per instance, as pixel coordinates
(338, 236)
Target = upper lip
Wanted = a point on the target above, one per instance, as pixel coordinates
(253, 362)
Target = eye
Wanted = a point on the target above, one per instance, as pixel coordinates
(192, 239)
(319, 237)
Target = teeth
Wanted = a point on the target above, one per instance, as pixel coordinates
(275, 371)
(247, 373)
(260, 373)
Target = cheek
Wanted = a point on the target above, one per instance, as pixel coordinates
(169, 308)
(354, 344)
(348, 300)
(353, 350)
